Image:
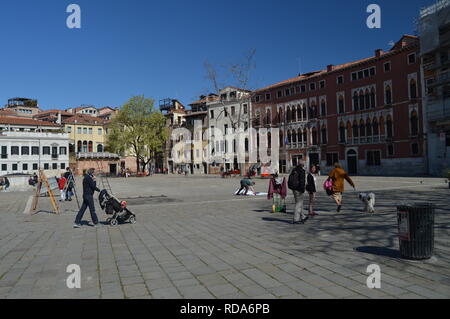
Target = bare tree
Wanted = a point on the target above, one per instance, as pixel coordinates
(237, 75)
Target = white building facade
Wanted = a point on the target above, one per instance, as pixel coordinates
(26, 149)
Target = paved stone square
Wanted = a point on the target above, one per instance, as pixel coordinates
(194, 239)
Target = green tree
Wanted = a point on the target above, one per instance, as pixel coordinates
(139, 129)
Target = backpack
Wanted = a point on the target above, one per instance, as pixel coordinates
(328, 186)
(294, 180)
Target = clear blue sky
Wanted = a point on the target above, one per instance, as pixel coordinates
(158, 48)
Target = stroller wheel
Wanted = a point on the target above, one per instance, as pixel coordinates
(132, 220)
(114, 222)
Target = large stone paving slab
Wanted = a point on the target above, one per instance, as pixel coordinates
(194, 239)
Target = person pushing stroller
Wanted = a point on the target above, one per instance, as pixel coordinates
(89, 188)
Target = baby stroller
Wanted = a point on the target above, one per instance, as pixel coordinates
(118, 210)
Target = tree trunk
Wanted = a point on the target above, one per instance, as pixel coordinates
(137, 164)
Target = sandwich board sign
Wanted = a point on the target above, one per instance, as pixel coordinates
(45, 187)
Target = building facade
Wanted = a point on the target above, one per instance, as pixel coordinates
(228, 113)
(23, 107)
(27, 146)
(175, 113)
(366, 115)
(434, 25)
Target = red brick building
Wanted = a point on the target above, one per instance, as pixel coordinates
(365, 114)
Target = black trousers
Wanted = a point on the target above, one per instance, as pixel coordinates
(88, 201)
(243, 186)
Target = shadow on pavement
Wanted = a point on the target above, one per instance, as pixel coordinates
(379, 251)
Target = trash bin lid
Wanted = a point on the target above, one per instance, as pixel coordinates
(416, 205)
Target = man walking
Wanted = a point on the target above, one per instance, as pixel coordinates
(338, 175)
(297, 183)
(89, 188)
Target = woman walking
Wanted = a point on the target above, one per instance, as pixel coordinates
(311, 188)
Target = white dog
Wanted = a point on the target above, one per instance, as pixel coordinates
(369, 202)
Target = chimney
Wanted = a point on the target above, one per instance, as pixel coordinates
(379, 52)
(58, 121)
(330, 67)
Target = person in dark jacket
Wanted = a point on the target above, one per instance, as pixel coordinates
(69, 189)
(299, 216)
(311, 188)
(89, 188)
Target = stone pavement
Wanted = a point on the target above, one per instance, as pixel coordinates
(193, 239)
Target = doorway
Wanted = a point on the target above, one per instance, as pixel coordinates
(352, 162)
(313, 159)
(113, 169)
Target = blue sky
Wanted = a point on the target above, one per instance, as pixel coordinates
(158, 48)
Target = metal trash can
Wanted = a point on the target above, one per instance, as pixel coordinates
(416, 230)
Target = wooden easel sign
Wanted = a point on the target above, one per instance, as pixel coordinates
(45, 187)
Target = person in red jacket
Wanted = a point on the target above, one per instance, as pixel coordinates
(61, 183)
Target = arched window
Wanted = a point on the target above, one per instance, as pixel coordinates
(324, 135)
(79, 146)
(341, 104)
(382, 127)
(305, 117)
(289, 136)
(281, 138)
(342, 132)
(414, 123)
(294, 137)
(375, 127)
(361, 100)
(305, 137)
(281, 115)
(362, 129)
(323, 108)
(368, 128)
(99, 148)
(388, 94)
(367, 99)
(288, 115)
(389, 128)
(269, 117)
(413, 88)
(349, 130)
(356, 101)
(299, 113)
(355, 129)
(314, 136)
(372, 98)
(299, 137)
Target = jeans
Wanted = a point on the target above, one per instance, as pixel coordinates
(88, 201)
(243, 186)
(298, 212)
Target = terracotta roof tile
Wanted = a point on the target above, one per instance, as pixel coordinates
(84, 119)
(24, 121)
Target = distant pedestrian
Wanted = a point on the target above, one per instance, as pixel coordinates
(7, 184)
(338, 175)
(247, 184)
(89, 188)
(297, 183)
(69, 187)
(311, 188)
(62, 184)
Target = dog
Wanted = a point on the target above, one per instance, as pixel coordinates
(369, 202)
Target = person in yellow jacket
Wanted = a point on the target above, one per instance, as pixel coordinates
(338, 175)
